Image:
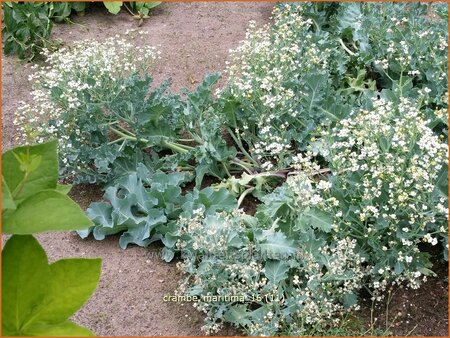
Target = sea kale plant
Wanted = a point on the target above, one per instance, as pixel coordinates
(370, 176)
(406, 53)
(79, 98)
(279, 84)
(386, 188)
(144, 208)
(318, 60)
(316, 241)
(262, 278)
(70, 97)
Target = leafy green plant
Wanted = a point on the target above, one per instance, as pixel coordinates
(99, 131)
(76, 95)
(143, 7)
(361, 181)
(249, 273)
(113, 6)
(317, 61)
(29, 183)
(144, 207)
(411, 58)
(38, 298)
(26, 28)
(139, 9)
(27, 25)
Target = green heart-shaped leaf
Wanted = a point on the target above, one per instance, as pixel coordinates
(38, 298)
(32, 216)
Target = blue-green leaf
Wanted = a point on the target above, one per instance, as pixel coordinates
(276, 245)
(276, 271)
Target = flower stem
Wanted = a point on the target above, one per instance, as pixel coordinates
(245, 193)
(346, 48)
(241, 147)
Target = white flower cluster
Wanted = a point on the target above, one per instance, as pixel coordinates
(87, 70)
(419, 46)
(397, 156)
(264, 65)
(320, 305)
(387, 160)
(318, 281)
(212, 234)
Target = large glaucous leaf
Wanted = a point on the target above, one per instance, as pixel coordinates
(315, 218)
(144, 210)
(135, 207)
(209, 200)
(276, 271)
(238, 315)
(276, 245)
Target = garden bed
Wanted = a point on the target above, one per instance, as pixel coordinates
(195, 39)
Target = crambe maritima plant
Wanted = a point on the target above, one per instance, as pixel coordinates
(313, 64)
(390, 171)
(386, 188)
(260, 278)
(71, 94)
(315, 243)
(279, 80)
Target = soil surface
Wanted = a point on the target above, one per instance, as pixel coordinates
(194, 39)
(408, 312)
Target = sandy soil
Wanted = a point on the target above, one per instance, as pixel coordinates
(194, 39)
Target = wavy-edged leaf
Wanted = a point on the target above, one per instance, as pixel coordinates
(276, 245)
(238, 315)
(100, 213)
(140, 234)
(167, 254)
(317, 219)
(209, 200)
